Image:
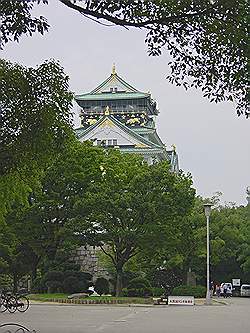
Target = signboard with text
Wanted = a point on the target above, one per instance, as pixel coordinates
(236, 282)
(180, 300)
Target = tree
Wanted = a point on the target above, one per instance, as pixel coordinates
(42, 226)
(134, 207)
(228, 241)
(207, 40)
(35, 122)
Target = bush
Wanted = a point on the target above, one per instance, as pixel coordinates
(84, 280)
(139, 283)
(38, 286)
(102, 286)
(136, 292)
(124, 292)
(138, 287)
(54, 286)
(54, 276)
(139, 292)
(197, 291)
(6, 282)
(71, 285)
(157, 291)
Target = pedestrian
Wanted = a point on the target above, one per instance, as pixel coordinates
(211, 288)
(217, 290)
(225, 290)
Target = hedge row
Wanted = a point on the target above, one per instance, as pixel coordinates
(197, 291)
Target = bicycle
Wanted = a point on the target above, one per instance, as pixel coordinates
(8, 302)
(22, 302)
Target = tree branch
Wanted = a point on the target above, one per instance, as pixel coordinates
(126, 23)
(108, 254)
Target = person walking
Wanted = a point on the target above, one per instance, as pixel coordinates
(211, 288)
(217, 290)
(225, 290)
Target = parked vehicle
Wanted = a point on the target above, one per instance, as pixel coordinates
(245, 290)
(229, 289)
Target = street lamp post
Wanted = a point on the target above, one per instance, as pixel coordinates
(207, 208)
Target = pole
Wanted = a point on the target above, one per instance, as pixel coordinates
(208, 296)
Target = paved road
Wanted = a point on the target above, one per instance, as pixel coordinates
(234, 318)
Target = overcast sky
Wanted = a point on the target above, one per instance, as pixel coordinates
(212, 142)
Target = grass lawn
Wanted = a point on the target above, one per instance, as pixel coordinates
(48, 297)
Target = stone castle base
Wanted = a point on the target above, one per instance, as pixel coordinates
(87, 258)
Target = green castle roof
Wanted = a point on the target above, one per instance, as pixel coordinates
(114, 87)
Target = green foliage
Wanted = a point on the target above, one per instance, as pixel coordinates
(59, 281)
(54, 286)
(102, 286)
(138, 287)
(166, 278)
(133, 207)
(229, 240)
(197, 291)
(71, 285)
(54, 276)
(139, 282)
(207, 41)
(38, 286)
(43, 225)
(16, 20)
(138, 292)
(5, 282)
(35, 126)
(157, 292)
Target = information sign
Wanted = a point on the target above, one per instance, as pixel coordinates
(236, 282)
(180, 300)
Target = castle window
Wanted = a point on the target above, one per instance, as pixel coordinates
(114, 142)
(109, 142)
(99, 142)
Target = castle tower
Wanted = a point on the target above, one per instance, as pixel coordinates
(115, 114)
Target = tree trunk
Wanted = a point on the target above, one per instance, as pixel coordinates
(118, 288)
(33, 273)
(34, 269)
(15, 281)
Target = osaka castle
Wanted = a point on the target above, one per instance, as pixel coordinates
(117, 115)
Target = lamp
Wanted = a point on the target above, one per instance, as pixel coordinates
(207, 209)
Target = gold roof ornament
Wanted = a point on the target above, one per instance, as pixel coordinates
(113, 69)
(174, 147)
(107, 111)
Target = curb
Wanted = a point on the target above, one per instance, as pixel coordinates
(88, 302)
(220, 302)
(122, 303)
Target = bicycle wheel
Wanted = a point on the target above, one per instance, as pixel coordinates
(11, 304)
(22, 303)
(3, 304)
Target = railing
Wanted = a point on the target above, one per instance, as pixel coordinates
(115, 110)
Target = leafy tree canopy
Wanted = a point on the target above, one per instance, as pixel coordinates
(35, 122)
(16, 20)
(229, 240)
(207, 40)
(134, 207)
(65, 181)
